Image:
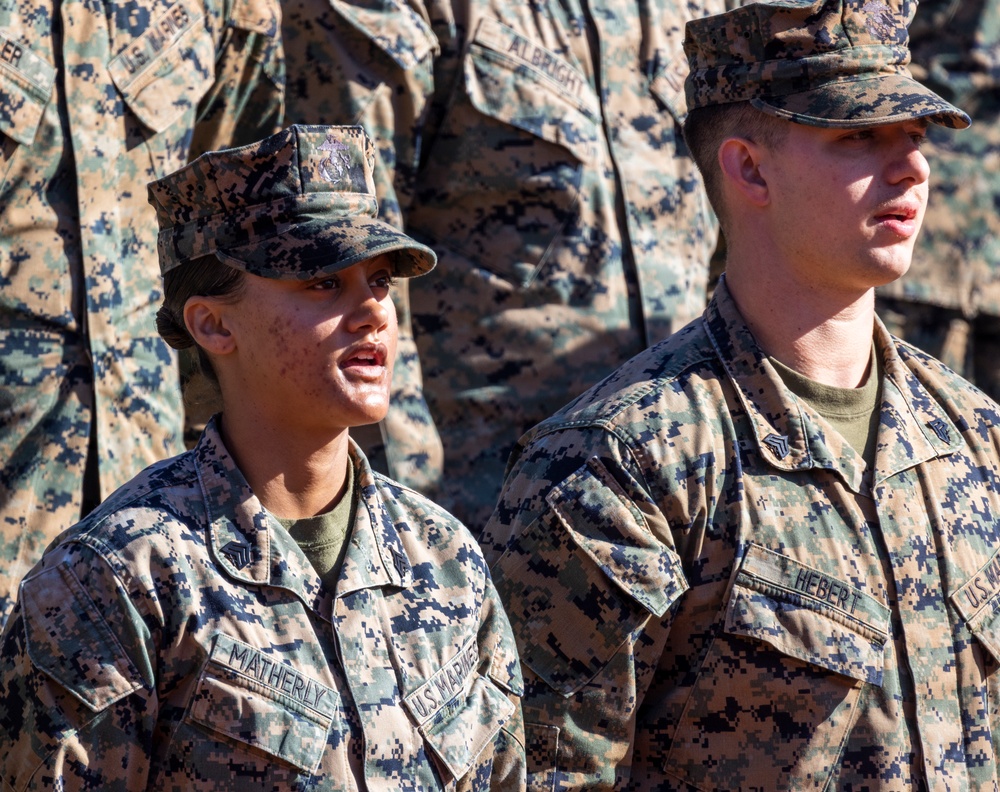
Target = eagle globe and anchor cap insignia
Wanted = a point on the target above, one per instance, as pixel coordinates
(879, 19)
(336, 166)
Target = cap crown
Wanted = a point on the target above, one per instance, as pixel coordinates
(233, 198)
(789, 46)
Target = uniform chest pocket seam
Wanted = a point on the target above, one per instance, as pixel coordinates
(809, 615)
(177, 44)
(519, 92)
(27, 92)
(300, 737)
(458, 732)
(978, 603)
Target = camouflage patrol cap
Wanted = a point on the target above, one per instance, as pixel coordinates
(828, 63)
(292, 206)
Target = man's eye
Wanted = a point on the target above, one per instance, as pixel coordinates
(383, 281)
(326, 284)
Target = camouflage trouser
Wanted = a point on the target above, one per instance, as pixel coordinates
(969, 346)
(46, 408)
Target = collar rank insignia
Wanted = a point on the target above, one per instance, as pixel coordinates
(238, 553)
(399, 561)
(940, 428)
(778, 444)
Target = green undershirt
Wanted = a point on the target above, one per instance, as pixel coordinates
(851, 411)
(323, 538)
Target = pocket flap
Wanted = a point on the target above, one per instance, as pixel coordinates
(668, 87)
(398, 31)
(26, 82)
(809, 615)
(613, 532)
(521, 83)
(257, 16)
(583, 578)
(249, 696)
(165, 72)
(461, 729)
(978, 602)
(69, 639)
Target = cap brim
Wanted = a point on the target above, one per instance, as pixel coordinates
(321, 246)
(856, 102)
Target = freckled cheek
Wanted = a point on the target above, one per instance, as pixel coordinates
(296, 355)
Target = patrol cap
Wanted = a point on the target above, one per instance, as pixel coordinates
(295, 205)
(827, 63)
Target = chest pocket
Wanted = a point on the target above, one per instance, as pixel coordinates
(162, 74)
(464, 726)
(26, 82)
(978, 601)
(789, 629)
(503, 176)
(248, 699)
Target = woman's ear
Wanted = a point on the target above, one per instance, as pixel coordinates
(741, 162)
(206, 320)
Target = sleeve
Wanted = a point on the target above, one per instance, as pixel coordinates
(77, 701)
(246, 100)
(588, 575)
(505, 762)
(372, 63)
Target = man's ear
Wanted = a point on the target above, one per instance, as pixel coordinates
(740, 160)
(206, 320)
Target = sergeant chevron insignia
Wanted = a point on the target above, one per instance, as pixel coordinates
(238, 553)
(778, 444)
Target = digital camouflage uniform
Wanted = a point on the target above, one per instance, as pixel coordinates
(536, 147)
(179, 639)
(949, 302)
(709, 587)
(710, 591)
(96, 99)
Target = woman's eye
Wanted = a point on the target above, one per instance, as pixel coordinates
(326, 284)
(383, 280)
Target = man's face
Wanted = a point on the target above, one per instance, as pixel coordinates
(848, 203)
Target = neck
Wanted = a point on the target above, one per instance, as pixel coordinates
(824, 334)
(293, 476)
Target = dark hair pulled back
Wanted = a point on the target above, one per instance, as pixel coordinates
(202, 277)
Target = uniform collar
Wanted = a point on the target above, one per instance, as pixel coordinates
(789, 435)
(248, 544)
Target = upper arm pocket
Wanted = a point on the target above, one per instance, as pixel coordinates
(521, 83)
(69, 639)
(583, 578)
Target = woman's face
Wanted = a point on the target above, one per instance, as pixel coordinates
(319, 353)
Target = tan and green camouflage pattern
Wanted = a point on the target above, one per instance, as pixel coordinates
(710, 591)
(96, 99)
(829, 63)
(956, 261)
(296, 204)
(536, 148)
(179, 639)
